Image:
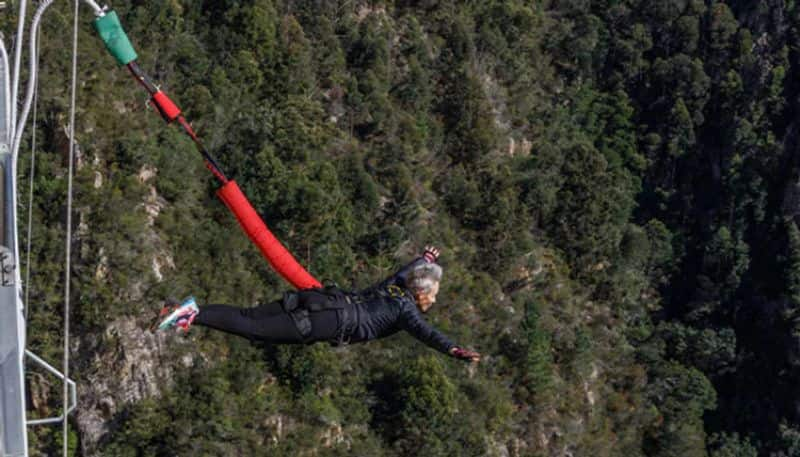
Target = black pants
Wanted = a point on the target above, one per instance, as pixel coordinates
(267, 322)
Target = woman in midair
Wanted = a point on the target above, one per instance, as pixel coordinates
(333, 315)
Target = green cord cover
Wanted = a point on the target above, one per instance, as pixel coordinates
(114, 37)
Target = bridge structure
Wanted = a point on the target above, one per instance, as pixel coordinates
(15, 358)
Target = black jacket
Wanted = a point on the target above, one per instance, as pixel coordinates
(387, 308)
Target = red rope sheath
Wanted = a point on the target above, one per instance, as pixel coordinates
(271, 248)
(281, 259)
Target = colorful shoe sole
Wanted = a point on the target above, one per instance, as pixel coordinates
(187, 310)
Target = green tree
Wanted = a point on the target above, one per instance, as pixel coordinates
(682, 395)
(731, 445)
(792, 270)
(428, 400)
(537, 375)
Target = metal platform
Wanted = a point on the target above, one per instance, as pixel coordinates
(13, 436)
(13, 421)
(13, 441)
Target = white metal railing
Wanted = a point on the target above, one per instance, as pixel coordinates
(73, 391)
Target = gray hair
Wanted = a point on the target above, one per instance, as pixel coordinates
(423, 277)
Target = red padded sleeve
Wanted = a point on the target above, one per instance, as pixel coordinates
(168, 109)
(281, 259)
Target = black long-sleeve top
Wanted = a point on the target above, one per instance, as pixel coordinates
(389, 307)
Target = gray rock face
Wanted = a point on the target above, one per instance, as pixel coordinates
(129, 363)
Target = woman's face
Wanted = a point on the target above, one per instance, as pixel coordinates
(426, 300)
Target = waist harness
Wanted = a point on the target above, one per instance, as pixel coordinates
(330, 298)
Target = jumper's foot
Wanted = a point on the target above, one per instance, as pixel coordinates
(178, 316)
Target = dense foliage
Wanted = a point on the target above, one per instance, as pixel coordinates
(615, 184)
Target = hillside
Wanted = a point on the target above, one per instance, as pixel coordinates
(615, 186)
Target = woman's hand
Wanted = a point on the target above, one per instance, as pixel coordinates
(465, 354)
(431, 253)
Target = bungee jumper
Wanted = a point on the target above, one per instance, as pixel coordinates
(313, 313)
(333, 315)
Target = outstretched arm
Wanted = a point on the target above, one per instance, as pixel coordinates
(413, 323)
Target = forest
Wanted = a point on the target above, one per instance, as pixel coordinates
(615, 185)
